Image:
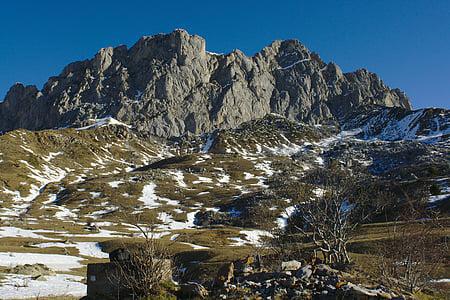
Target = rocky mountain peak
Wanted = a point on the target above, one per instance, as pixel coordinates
(178, 44)
(168, 84)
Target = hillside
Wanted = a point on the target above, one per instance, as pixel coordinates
(214, 154)
(68, 191)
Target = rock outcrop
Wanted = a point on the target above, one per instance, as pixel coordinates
(318, 281)
(168, 84)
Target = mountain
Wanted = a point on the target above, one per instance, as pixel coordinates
(209, 151)
(168, 84)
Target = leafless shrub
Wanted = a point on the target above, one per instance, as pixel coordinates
(413, 252)
(331, 212)
(144, 266)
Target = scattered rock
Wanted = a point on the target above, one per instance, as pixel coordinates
(309, 282)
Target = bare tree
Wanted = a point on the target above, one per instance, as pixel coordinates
(142, 267)
(413, 251)
(333, 211)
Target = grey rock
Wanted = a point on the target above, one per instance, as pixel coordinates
(304, 272)
(324, 270)
(34, 270)
(193, 290)
(292, 265)
(168, 84)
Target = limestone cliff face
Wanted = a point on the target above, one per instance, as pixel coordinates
(168, 84)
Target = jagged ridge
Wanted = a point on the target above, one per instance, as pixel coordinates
(168, 84)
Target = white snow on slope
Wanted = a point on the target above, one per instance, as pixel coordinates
(248, 176)
(51, 156)
(95, 194)
(148, 196)
(151, 200)
(285, 149)
(214, 53)
(101, 233)
(252, 237)
(56, 262)
(44, 177)
(294, 64)
(170, 224)
(99, 213)
(103, 122)
(442, 280)
(224, 178)
(91, 249)
(194, 246)
(282, 221)
(255, 236)
(27, 149)
(265, 167)
(407, 128)
(115, 184)
(21, 286)
(438, 133)
(64, 213)
(343, 135)
(201, 179)
(179, 178)
(19, 232)
(444, 192)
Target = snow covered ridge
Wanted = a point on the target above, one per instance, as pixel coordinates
(97, 123)
(430, 125)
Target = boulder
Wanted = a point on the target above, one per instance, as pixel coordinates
(324, 270)
(358, 292)
(292, 265)
(193, 290)
(119, 254)
(209, 218)
(225, 274)
(245, 266)
(304, 273)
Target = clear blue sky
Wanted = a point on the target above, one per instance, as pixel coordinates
(407, 42)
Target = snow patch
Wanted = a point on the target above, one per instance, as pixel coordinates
(115, 184)
(16, 286)
(252, 237)
(91, 249)
(19, 232)
(103, 122)
(56, 262)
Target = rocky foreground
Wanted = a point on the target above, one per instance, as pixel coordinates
(247, 279)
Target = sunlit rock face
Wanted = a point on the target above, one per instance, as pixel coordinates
(168, 84)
